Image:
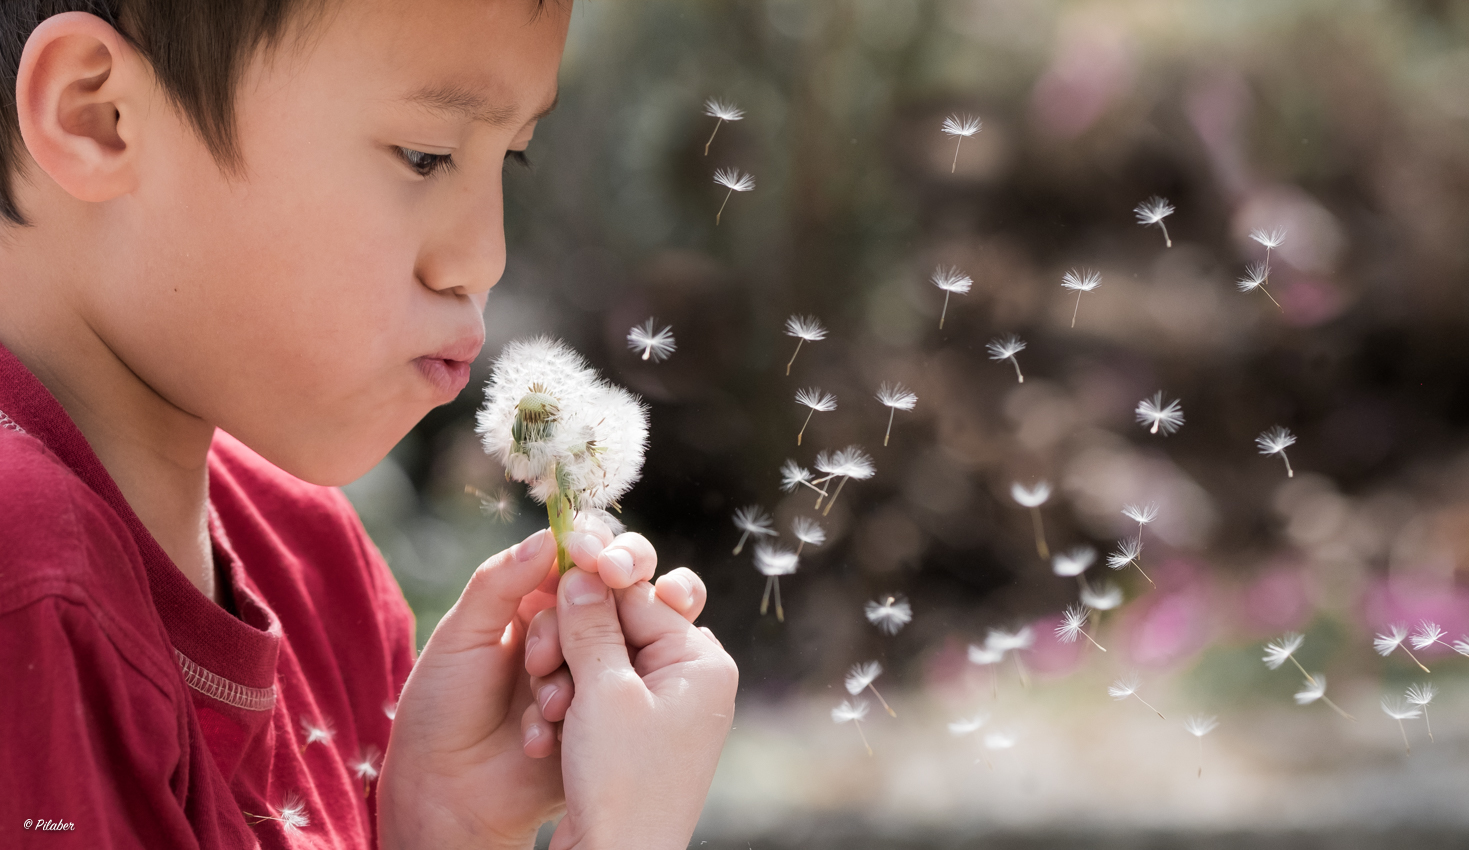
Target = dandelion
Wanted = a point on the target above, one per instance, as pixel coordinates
(1129, 551)
(962, 128)
(808, 532)
(723, 111)
(1256, 276)
(655, 346)
(895, 398)
(951, 281)
(1141, 514)
(316, 732)
(1002, 642)
(817, 400)
(734, 180)
(1421, 696)
(793, 475)
(1073, 622)
(1104, 598)
(773, 562)
(1167, 418)
(1005, 348)
(1276, 652)
(1153, 211)
(968, 725)
(499, 505)
(1274, 442)
(1127, 687)
(1386, 643)
(1271, 239)
(850, 462)
(293, 815)
(890, 615)
(366, 766)
(1400, 712)
(987, 656)
(1074, 562)
(1084, 280)
(1314, 689)
(1033, 498)
(853, 711)
(861, 677)
(805, 329)
(576, 440)
(1198, 726)
(1427, 635)
(752, 520)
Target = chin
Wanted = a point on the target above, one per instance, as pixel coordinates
(333, 462)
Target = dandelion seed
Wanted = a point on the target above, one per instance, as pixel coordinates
(805, 329)
(390, 709)
(1075, 562)
(1127, 687)
(1167, 418)
(1141, 514)
(817, 400)
(366, 766)
(848, 463)
(773, 562)
(734, 180)
(1314, 689)
(854, 711)
(1256, 276)
(1152, 212)
(499, 505)
(722, 111)
(1421, 696)
(1427, 635)
(1461, 645)
(1274, 442)
(961, 127)
(655, 346)
(316, 732)
(861, 676)
(1129, 551)
(951, 281)
(895, 398)
(293, 815)
(968, 725)
(752, 520)
(1198, 726)
(1400, 712)
(1271, 239)
(1277, 652)
(1073, 623)
(1003, 642)
(986, 656)
(793, 475)
(1386, 643)
(999, 741)
(1104, 598)
(890, 615)
(1033, 498)
(808, 532)
(1005, 348)
(1084, 280)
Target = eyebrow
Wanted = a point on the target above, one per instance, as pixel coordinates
(470, 105)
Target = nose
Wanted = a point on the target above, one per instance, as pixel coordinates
(465, 252)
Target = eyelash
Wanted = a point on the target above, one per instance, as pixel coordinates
(429, 164)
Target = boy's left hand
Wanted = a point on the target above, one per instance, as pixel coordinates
(459, 770)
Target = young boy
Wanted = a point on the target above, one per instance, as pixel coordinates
(247, 246)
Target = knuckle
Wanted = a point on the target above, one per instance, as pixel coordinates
(591, 632)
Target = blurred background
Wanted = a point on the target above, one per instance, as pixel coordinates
(1346, 123)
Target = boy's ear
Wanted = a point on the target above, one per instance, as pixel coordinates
(80, 93)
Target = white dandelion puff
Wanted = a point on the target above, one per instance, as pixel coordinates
(722, 111)
(734, 180)
(1400, 712)
(818, 402)
(1005, 348)
(1080, 280)
(1141, 514)
(890, 615)
(861, 677)
(1152, 212)
(1314, 688)
(894, 397)
(366, 766)
(1461, 645)
(961, 127)
(1033, 498)
(1199, 725)
(853, 711)
(805, 329)
(1273, 238)
(390, 709)
(292, 814)
(808, 532)
(1163, 417)
(793, 475)
(1274, 442)
(1074, 562)
(1421, 696)
(1129, 551)
(1103, 598)
(1257, 275)
(987, 656)
(1427, 634)
(315, 731)
(499, 505)
(1126, 687)
(773, 562)
(752, 520)
(845, 464)
(952, 282)
(1002, 641)
(1385, 643)
(1277, 652)
(656, 346)
(1073, 623)
(968, 725)
(999, 741)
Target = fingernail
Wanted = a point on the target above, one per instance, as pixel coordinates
(585, 589)
(544, 697)
(532, 732)
(621, 559)
(688, 588)
(583, 548)
(530, 546)
(530, 646)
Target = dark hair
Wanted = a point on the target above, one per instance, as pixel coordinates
(197, 49)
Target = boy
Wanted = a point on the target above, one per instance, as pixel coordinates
(280, 219)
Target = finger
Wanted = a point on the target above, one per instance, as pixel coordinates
(591, 636)
(646, 619)
(543, 644)
(537, 735)
(683, 591)
(584, 549)
(710, 634)
(588, 524)
(554, 693)
(492, 596)
(664, 639)
(627, 560)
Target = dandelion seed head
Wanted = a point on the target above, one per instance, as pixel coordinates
(999, 740)
(1141, 514)
(950, 279)
(862, 675)
(656, 346)
(889, 615)
(734, 179)
(1005, 641)
(1005, 347)
(1124, 687)
(1272, 238)
(366, 763)
(1255, 276)
(962, 125)
(1277, 652)
(1385, 643)
(793, 475)
(896, 396)
(1427, 635)
(807, 328)
(317, 731)
(1073, 562)
(1400, 711)
(1081, 280)
(1421, 695)
(968, 725)
(1275, 440)
(293, 814)
(1030, 497)
(1200, 725)
(1153, 210)
(773, 560)
(1104, 598)
(1073, 620)
(814, 398)
(850, 462)
(985, 655)
(752, 519)
(850, 710)
(500, 505)
(1166, 418)
(390, 709)
(1127, 552)
(1311, 691)
(723, 110)
(808, 531)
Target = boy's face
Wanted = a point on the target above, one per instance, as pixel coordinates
(321, 303)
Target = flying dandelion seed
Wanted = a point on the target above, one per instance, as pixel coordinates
(808, 531)
(734, 180)
(1127, 687)
(1005, 348)
(951, 281)
(1400, 712)
(895, 398)
(1003, 642)
(1461, 645)
(752, 520)
(805, 329)
(1256, 276)
(968, 725)
(1386, 643)
(366, 766)
(1103, 598)
(1271, 239)
(997, 741)
(1314, 689)
(962, 127)
(655, 346)
(1421, 696)
(1278, 651)
(1152, 212)
(861, 677)
(985, 656)
(793, 475)
(1428, 634)
(1073, 623)
(1274, 442)
(1141, 514)
(316, 732)
(853, 711)
(1166, 418)
(1084, 280)
(890, 615)
(390, 709)
(499, 505)
(1129, 551)
(293, 815)
(848, 463)
(722, 111)
(1198, 726)
(1074, 562)
(817, 401)
(1033, 498)
(773, 562)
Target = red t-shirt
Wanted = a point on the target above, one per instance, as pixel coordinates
(137, 713)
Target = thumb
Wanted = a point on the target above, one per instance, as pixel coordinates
(491, 597)
(591, 635)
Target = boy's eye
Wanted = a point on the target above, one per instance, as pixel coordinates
(425, 164)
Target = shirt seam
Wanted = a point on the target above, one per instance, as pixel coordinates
(10, 424)
(227, 691)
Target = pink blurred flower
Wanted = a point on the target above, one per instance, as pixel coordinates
(1408, 602)
(1280, 600)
